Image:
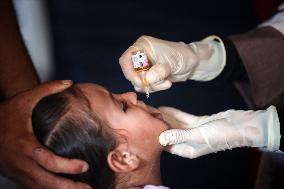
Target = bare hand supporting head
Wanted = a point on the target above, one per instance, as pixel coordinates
(22, 158)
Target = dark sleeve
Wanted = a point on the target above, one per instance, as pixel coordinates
(235, 72)
(234, 69)
(262, 54)
(255, 63)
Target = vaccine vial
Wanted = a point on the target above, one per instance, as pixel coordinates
(141, 65)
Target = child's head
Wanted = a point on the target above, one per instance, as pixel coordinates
(116, 134)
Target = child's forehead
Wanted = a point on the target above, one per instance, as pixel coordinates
(94, 93)
(92, 88)
(99, 98)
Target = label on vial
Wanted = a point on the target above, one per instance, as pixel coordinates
(140, 61)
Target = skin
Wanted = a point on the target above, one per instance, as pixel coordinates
(23, 159)
(140, 124)
(17, 71)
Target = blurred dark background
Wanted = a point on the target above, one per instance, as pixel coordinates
(89, 36)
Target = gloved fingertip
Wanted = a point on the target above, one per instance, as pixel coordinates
(174, 136)
(168, 110)
(163, 139)
(138, 89)
(136, 81)
(152, 79)
(158, 73)
(162, 86)
(163, 107)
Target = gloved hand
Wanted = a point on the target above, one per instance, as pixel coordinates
(195, 136)
(175, 61)
(155, 187)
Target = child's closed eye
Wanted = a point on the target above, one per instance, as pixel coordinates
(124, 105)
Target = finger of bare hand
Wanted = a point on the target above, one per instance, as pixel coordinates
(58, 164)
(34, 95)
(188, 119)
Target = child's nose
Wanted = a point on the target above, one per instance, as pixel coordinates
(131, 96)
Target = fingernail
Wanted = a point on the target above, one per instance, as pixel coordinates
(66, 82)
(85, 168)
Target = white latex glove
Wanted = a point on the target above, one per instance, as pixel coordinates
(155, 187)
(175, 61)
(195, 136)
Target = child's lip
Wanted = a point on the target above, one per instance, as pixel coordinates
(157, 115)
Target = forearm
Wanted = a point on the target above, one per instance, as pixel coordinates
(254, 62)
(17, 72)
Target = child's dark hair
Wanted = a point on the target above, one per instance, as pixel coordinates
(66, 125)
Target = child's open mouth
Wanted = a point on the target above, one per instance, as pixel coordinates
(157, 115)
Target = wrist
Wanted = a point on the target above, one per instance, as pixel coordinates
(212, 58)
(268, 136)
(273, 127)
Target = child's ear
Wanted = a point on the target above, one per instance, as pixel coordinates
(122, 162)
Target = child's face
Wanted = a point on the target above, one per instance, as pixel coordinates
(141, 124)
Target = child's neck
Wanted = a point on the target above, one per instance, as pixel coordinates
(148, 174)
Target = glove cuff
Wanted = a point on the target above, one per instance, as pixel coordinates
(210, 68)
(273, 129)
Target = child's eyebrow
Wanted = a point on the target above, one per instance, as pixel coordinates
(112, 97)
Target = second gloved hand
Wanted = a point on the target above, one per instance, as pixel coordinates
(194, 136)
(175, 61)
